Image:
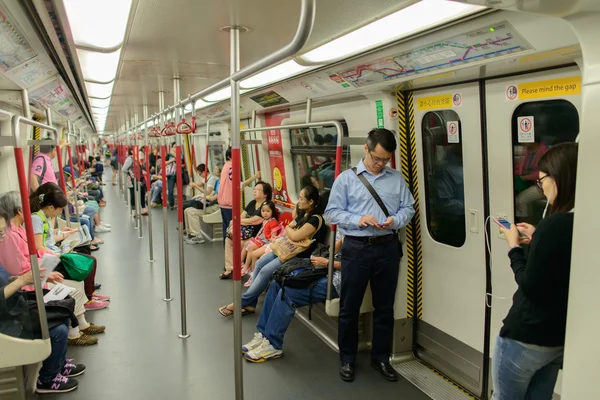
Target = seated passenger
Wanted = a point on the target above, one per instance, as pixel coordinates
(255, 248)
(192, 215)
(280, 306)
(46, 204)
(56, 374)
(251, 222)
(14, 257)
(156, 190)
(197, 200)
(211, 179)
(308, 225)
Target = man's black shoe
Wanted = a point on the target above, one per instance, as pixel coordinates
(347, 372)
(385, 370)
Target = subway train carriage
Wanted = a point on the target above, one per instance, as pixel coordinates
(401, 191)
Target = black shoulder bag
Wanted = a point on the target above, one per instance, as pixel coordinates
(299, 273)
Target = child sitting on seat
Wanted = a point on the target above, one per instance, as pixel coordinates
(271, 228)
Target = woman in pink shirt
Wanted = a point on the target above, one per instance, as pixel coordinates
(14, 257)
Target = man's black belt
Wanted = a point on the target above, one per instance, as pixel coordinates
(374, 239)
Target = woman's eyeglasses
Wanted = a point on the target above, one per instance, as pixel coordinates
(538, 182)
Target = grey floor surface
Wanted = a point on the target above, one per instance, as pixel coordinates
(141, 356)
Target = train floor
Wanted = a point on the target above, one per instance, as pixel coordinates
(140, 356)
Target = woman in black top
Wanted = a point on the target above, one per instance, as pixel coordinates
(307, 225)
(529, 349)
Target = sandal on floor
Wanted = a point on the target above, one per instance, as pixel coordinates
(226, 276)
(246, 311)
(226, 312)
(94, 247)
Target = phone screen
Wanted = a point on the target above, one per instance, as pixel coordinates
(504, 223)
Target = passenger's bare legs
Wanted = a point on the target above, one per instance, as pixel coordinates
(247, 254)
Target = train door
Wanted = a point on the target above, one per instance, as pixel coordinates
(526, 114)
(450, 333)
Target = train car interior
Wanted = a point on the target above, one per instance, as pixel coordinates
(158, 108)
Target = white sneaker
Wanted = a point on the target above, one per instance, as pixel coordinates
(105, 224)
(102, 229)
(254, 343)
(263, 353)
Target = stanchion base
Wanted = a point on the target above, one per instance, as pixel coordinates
(150, 261)
(168, 300)
(184, 336)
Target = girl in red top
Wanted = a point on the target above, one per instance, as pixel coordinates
(268, 232)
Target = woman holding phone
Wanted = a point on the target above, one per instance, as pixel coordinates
(529, 349)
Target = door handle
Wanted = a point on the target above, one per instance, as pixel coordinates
(474, 221)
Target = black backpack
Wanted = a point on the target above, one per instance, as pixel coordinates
(299, 273)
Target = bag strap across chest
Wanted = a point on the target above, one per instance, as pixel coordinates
(371, 190)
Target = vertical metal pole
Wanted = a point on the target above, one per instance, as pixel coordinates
(127, 144)
(256, 134)
(24, 190)
(234, 49)
(178, 153)
(308, 110)
(148, 151)
(163, 155)
(61, 174)
(138, 181)
(71, 166)
(206, 169)
(27, 114)
(119, 160)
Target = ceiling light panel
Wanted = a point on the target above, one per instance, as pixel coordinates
(199, 104)
(100, 103)
(99, 67)
(410, 20)
(220, 95)
(100, 23)
(101, 90)
(275, 74)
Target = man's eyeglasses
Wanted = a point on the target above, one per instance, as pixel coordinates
(538, 182)
(378, 160)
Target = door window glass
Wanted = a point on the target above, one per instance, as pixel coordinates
(553, 122)
(444, 178)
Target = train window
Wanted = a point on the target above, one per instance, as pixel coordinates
(552, 122)
(216, 156)
(313, 155)
(444, 184)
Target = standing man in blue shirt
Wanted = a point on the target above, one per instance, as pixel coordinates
(371, 251)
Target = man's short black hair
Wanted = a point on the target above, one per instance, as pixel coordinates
(383, 137)
(228, 154)
(47, 148)
(201, 167)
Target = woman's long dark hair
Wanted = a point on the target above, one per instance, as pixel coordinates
(560, 162)
(48, 194)
(311, 193)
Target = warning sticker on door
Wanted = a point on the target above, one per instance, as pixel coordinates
(457, 99)
(452, 129)
(526, 130)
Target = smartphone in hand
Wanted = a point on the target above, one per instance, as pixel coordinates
(505, 224)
